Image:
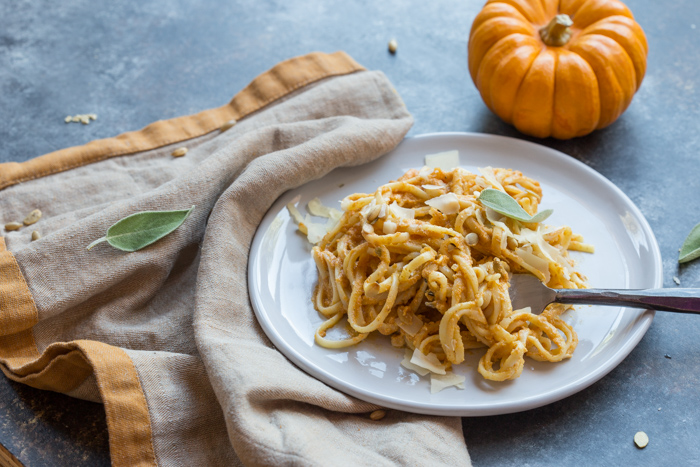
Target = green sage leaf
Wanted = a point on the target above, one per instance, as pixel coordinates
(691, 246)
(504, 204)
(143, 228)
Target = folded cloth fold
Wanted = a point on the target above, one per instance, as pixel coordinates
(165, 337)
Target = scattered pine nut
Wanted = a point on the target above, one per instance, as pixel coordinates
(33, 217)
(676, 280)
(377, 415)
(12, 226)
(36, 235)
(227, 126)
(179, 152)
(641, 439)
(80, 118)
(393, 45)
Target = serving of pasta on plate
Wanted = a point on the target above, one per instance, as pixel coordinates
(418, 252)
(423, 261)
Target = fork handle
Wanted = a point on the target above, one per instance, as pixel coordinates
(677, 300)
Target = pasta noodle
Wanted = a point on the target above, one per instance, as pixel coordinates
(423, 261)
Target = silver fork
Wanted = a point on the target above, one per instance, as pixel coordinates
(526, 290)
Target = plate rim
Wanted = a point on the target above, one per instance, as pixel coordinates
(548, 397)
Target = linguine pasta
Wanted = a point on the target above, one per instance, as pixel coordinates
(423, 261)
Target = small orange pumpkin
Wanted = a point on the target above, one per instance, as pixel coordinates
(560, 68)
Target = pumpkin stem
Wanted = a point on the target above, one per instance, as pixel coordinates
(557, 32)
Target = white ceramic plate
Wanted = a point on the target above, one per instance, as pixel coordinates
(282, 275)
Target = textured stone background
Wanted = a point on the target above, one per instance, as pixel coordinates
(132, 63)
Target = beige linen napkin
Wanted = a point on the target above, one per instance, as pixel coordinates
(166, 337)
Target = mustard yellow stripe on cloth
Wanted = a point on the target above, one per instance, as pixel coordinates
(275, 83)
(18, 314)
(64, 366)
(17, 305)
(128, 419)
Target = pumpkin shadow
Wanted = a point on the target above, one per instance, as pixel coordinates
(594, 149)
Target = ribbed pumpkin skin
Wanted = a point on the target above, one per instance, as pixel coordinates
(565, 91)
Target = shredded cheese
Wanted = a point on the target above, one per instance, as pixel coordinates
(317, 208)
(434, 190)
(401, 213)
(413, 328)
(389, 227)
(430, 362)
(314, 231)
(535, 262)
(443, 160)
(447, 203)
(490, 176)
(440, 382)
(406, 363)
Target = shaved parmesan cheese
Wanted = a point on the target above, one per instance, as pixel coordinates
(495, 219)
(534, 261)
(401, 213)
(316, 208)
(345, 203)
(389, 227)
(315, 231)
(413, 328)
(490, 176)
(425, 171)
(447, 203)
(440, 382)
(294, 212)
(430, 362)
(368, 208)
(406, 363)
(433, 190)
(535, 238)
(296, 215)
(547, 250)
(443, 160)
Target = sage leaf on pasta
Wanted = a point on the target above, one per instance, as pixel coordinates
(504, 204)
(142, 229)
(691, 246)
